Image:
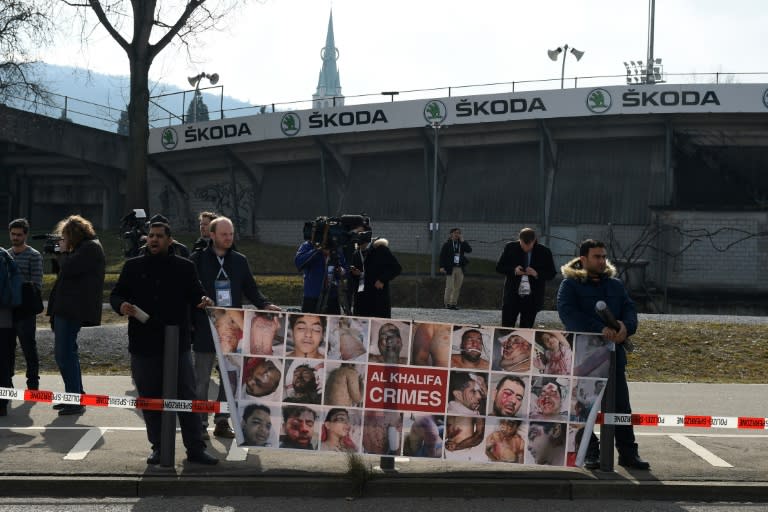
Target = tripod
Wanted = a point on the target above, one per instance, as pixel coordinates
(333, 296)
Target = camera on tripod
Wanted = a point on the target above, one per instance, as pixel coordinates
(132, 226)
(337, 232)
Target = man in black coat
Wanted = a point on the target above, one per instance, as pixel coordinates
(163, 286)
(227, 277)
(527, 265)
(374, 266)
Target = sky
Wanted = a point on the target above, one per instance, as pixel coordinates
(268, 51)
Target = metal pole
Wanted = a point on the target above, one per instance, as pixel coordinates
(194, 106)
(562, 74)
(434, 225)
(235, 210)
(607, 432)
(649, 76)
(170, 392)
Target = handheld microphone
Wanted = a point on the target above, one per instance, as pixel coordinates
(601, 308)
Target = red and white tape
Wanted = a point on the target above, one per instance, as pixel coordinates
(674, 420)
(119, 402)
(205, 406)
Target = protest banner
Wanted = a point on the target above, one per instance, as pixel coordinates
(401, 387)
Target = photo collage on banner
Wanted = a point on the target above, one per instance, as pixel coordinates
(401, 387)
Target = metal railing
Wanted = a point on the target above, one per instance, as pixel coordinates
(170, 108)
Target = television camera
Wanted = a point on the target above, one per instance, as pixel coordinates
(134, 232)
(337, 236)
(337, 232)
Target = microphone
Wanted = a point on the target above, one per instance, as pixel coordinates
(601, 308)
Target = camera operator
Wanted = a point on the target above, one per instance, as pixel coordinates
(75, 300)
(374, 266)
(226, 277)
(320, 276)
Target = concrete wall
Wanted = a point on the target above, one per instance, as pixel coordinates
(715, 250)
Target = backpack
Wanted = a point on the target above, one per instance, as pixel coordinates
(10, 281)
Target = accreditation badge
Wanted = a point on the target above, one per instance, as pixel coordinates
(456, 259)
(223, 293)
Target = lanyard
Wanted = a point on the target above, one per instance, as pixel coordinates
(221, 268)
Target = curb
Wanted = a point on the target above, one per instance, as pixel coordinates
(341, 486)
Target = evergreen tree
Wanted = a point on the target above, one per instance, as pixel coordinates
(122, 124)
(197, 110)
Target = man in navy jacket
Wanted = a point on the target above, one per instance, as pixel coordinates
(589, 279)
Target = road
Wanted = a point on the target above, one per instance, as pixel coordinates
(103, 451)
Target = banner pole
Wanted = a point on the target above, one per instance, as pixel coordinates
(609, 406)
(170, 392)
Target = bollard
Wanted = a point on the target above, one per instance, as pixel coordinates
(607, 432)
(170, 392)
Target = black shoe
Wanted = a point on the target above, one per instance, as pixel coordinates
(202, 457)
(59, 407)
(154, 458)
(69, 410)
(4, 410)
(592, 461)
(633, 461)
(223, 430)
(454, 306)
(33, 386)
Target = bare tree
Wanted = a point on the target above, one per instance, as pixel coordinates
(24, 24)
(144, 28)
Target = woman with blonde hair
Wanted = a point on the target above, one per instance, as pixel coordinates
(76, 299)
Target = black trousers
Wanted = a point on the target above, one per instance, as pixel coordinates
(147, 372)
(25, 329)
(515, 305)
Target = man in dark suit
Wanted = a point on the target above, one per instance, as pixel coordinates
(163, 286)
(527, 265)
(227, 277)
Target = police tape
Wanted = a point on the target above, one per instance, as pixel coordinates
(672, 420)
(118, 402)
(206, 406)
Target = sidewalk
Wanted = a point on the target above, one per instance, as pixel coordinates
(102, 453)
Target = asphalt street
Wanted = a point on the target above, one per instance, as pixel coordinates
(103, 453)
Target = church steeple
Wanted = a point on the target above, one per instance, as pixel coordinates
(328, 92)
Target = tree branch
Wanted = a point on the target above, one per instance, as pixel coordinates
(175, 29)
(102, 16)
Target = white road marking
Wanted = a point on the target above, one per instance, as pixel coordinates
(237, 453)
(85, 444)
(702, 452)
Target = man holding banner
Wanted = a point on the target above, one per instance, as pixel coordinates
(155, 290)
(589, 279)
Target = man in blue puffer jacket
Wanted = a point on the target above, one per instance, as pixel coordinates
(587, 280)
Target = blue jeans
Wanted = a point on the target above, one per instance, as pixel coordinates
(65, 351)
